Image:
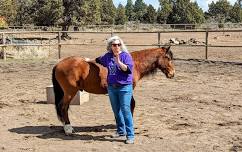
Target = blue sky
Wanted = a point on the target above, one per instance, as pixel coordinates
(202, 3)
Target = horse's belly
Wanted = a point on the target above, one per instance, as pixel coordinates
(96, 91)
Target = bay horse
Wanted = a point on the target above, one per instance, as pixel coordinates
(75, 73)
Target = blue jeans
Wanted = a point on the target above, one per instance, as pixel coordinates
(120, 98)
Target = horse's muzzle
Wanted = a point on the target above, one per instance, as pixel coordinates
(170, 75)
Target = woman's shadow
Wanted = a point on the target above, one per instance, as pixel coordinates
(47, 132)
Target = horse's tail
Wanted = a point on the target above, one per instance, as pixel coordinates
(58, 92)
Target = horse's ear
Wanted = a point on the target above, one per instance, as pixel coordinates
(168, 52)
(167, 48)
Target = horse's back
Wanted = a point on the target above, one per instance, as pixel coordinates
(72, 63)
(73, 67)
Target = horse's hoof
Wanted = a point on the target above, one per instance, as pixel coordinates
(68, 129)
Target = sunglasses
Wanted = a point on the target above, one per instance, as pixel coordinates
(116, 44)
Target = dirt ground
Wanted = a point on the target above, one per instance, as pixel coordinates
(199, 110)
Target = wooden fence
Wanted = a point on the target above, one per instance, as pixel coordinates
(206, 45)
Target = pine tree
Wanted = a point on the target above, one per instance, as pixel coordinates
(220, 10)
(107, 12)
(129, 10)
(164, 11)
(235, 14)
(25, 11)
(140, 9)
(196, 15)
(150, 15)
(121, 17)
(93, 15)
(47, 12)
(72, 14)
(185, 12)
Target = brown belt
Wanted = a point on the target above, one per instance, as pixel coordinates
(117, 85)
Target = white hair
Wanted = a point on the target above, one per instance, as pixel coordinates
(114, 38)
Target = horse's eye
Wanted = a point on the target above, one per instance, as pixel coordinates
(168, 57)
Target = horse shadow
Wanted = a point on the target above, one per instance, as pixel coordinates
(81, 133)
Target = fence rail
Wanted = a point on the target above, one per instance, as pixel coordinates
(206, 45)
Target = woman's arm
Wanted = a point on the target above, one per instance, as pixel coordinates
(123, 66)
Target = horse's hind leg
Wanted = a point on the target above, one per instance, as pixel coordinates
(132, 105)
(65, 106)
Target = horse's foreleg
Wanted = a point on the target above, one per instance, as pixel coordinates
(132, 105)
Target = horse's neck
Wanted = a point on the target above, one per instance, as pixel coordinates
(147, 65)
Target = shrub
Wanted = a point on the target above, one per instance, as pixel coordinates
(3, 22)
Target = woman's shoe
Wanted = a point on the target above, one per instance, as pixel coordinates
(129, 141)
(117, 135)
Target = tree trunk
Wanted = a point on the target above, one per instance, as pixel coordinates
(65, 35)
(67, 19)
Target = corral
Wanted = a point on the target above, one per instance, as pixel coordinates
(199, 110)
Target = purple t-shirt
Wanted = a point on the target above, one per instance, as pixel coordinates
(115, 74)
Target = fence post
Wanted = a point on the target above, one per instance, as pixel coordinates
(3, 48)
(59, 45)
(49, 48)
(126, 27)
(159, 39)
(97, 28)
(138, 26)
(206, 45)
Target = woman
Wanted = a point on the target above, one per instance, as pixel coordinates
(119, 84)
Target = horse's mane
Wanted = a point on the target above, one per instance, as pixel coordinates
(170, 54)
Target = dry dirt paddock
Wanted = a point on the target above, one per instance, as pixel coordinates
(199, 110)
